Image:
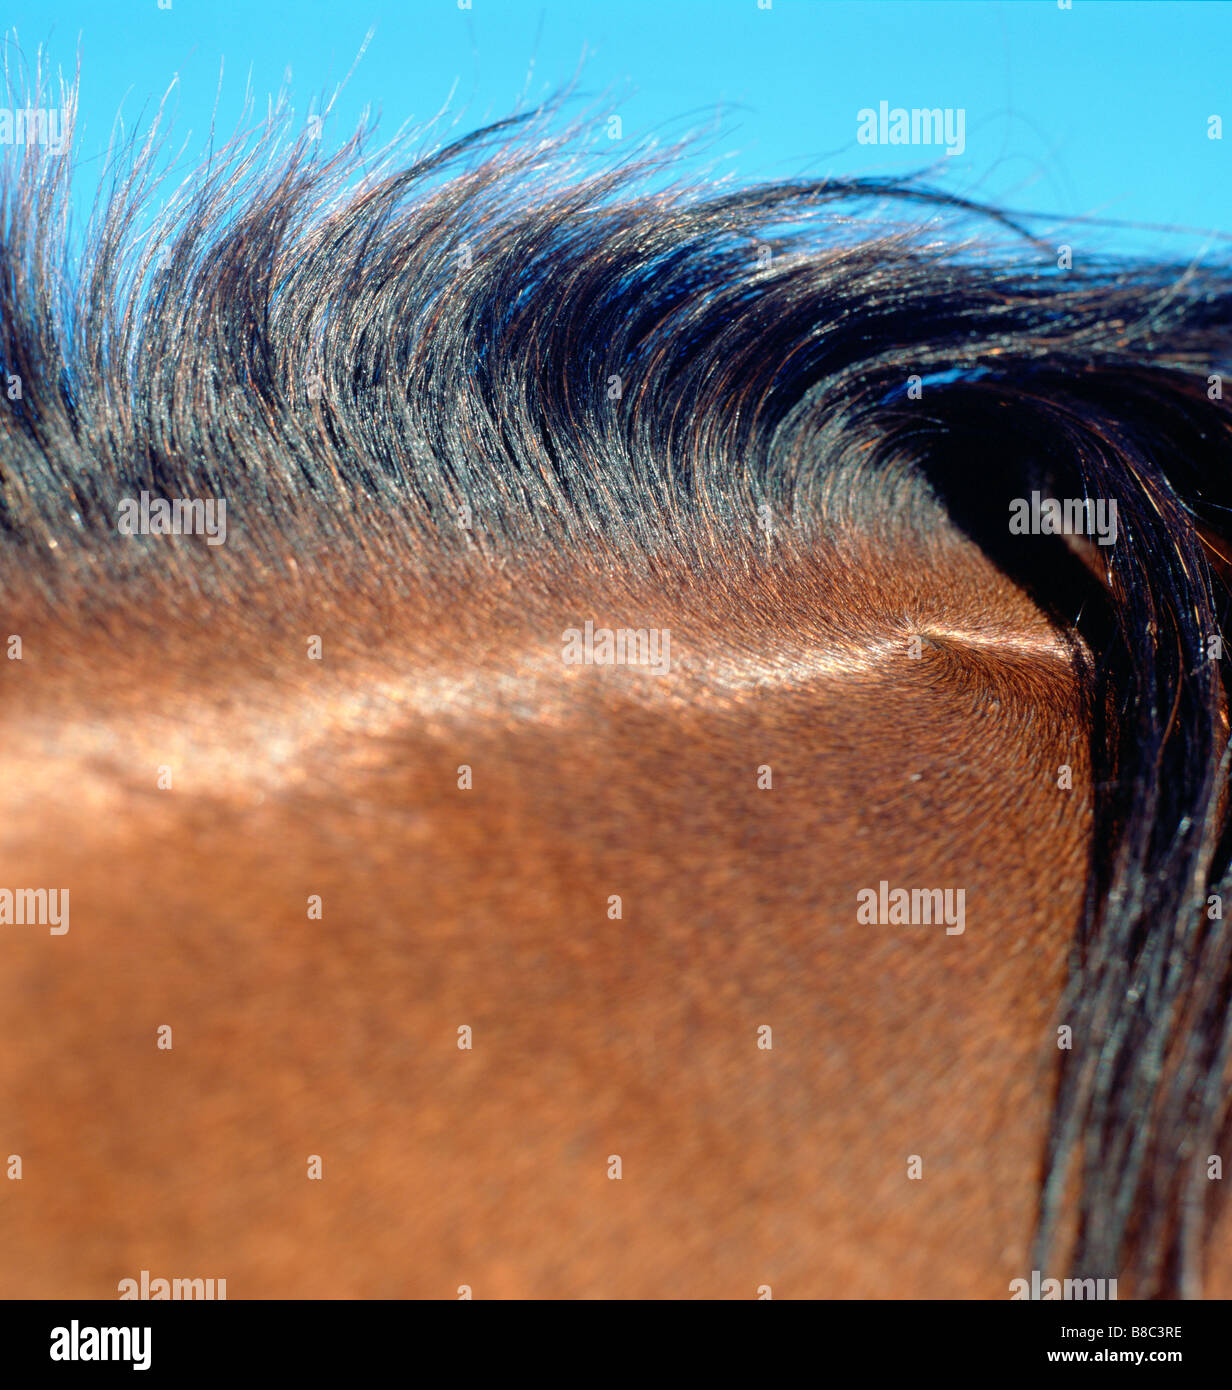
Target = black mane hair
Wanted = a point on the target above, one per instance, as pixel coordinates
(521, 324)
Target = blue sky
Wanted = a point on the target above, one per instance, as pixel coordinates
(1100, 110)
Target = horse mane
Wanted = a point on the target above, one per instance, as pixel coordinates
(364, 350)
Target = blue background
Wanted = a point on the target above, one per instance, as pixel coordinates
(1098, 111)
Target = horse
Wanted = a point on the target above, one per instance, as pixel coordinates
(572, 732)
